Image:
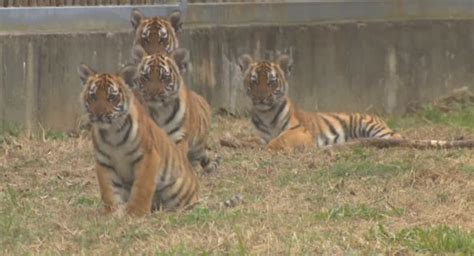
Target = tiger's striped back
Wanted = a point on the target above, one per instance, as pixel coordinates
(137, 165)
(282, 124)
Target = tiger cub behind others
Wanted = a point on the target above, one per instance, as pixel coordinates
(156, 34)
(137, 165)
(182, 113)
(282, 125)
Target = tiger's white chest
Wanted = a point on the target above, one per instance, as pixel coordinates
(170, 118)
(271, 124)
(119, 150)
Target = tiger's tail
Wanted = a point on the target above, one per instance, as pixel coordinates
(418, 144)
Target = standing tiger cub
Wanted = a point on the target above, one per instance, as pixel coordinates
(182, 113)
(282, 125)
(156, 34)
(136, 163)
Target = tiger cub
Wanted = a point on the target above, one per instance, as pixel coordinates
(156, 34)
(282, 125)
(137, 165)
(182, 113)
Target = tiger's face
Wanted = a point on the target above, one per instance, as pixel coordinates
(156, 34)
(158, 76)
(266, 82)
(105, 96)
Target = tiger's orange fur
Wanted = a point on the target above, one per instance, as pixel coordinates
(182, 113)
(156, 34)
(282, 125)
(137, 165)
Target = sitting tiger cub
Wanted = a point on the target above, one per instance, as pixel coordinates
(136, 162)
(156, 34)
(182, 113)
(282, 125)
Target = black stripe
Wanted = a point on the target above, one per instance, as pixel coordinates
(173, 114)
(359, 128)
(280, 109)
(135, 149)
(325, 140)
(127, 132)
(174, 130)
(186, 193)
(176, 194)
(166, 186)
(257, 122)
(98, 149)
(382, 127)
(367, 123)
(117, 184)
(102, 134)
(177, 128)
(285, 123)
(188, 200)
(385, 134)
(136, 160)
(106, 165)
(343, 124)
(371, 127)
(331, 129)
(186, 196)
(351, 126)
(128, 119)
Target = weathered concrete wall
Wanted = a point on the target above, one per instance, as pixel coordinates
(377, 66)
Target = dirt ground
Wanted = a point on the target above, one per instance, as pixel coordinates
(346, 200)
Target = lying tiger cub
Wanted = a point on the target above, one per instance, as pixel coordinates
(282, 125)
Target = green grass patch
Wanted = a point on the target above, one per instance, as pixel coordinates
(440, 239)
(349, 211)
(52, 135)
(201, 215)
(468, 169)
(85, 201)
(367, 168)
(11, 130)
(461, 117)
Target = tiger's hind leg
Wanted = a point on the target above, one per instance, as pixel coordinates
(292, 138)
(372, 126)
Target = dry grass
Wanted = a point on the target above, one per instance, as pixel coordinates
(342, 201)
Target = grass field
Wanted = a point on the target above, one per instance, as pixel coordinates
(341, 201)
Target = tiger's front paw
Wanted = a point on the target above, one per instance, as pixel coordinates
(135, 211)
(274, 146)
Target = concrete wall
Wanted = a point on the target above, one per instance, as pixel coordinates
(378, 66)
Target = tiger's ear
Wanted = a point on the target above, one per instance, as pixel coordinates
(286, 63)
(135, 17)
(85, 72)
(138, 53)
(128, 73)
(244, 62)
(181, 58)
(175, 19)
